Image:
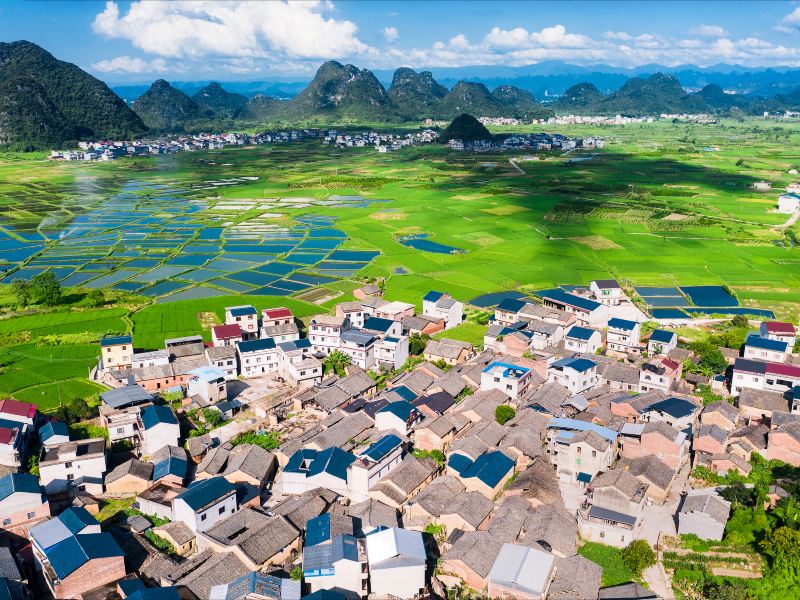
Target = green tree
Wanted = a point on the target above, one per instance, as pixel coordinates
(738, 494)
(297, 573)
(711, 358)
(504, 413)
(782, 546)
(637, 556)
(740, 321)
(337, 362)
(33, 464)
(22, 292)
(417, 343)
(46, 289)
(95, 298)
(212, 417)
(79, 410)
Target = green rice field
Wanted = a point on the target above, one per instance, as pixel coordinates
(302, 225)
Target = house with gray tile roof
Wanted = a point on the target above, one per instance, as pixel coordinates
(704, 513)
(577, 578)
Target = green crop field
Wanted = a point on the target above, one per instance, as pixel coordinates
(663, 204)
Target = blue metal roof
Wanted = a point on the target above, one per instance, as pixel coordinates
(378, 324)
(750, 366)
(241, 311)
(404, 392)
(624, 324)
(382, 447)
(402, 409)
(357, 336)
(575, 425)
(158, 593)
(606, 514)
(208, 373)
(674, 407)
(581, 333)
(333, 461)
(490, 468)
(323, 557)
(662, 336)
(128, 395)
(509, 369)
(300, 461)
(756, 341)
(19, 482)
(76, 519)
(562, 297)
(52, 428)
(584, 477)
(459, 462)
(511, 305)
(75, 551)
(256, 345)
(205, 492)
(318, 529)
(155, 414)
(115, 340)
(432, 296)
(579, 364)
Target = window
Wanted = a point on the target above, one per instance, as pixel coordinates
(594, 453)
(70, 477)
(120, 430)
(31, 515)
(578, 449)
(602, 534)
(6, 521)
(68, 465)
(222, 510)
(203, 517)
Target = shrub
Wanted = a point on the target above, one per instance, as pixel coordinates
(504, 413)
(297, 573)
(268, 440)
(637, 556)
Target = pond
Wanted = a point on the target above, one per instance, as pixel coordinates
(421, 242)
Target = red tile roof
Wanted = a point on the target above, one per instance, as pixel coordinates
(669, 363)
(792, 371)
(222, 332)
(277, 313)
(17, 408)
(779, 327)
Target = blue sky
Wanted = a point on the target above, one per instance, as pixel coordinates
(133, 41)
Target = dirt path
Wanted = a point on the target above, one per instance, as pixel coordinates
(658, 581)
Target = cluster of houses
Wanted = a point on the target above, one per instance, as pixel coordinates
(453, 472)
(382, 142)
(595, 120)
(527, 141)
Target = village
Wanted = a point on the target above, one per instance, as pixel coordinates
(355, 456)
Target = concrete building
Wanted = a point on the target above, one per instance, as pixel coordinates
(623, 336)
(209, 383)
(116, 352)
(246, 317)
(324, 332)
(205, 503)
(257, 357)
(441, 305)
(397, 562)
(511, 379)
(521, 573)
(704, 514)
(159, 428)
(575, 374)
(72, 466)
(583, 340)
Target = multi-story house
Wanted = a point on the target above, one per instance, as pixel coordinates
(297, 365)
(661, 342)
(353, 312)
(623, 336)
(224, 359)
(758, 375)
(443, 306)
(613, 511)
(659, 374)
(391, 352)
(656, 438)
(765, 349)
(780, 331)
(245, 317)
(324, 332)
(580, 449)
(606, 291)
(226, 335)
(116, 352)
(78, 465)
(23, 503)
(359, 345)
(209, 383)
(575, 374)
(583, 340)
(205, 503)
(511, 379)
(587, 312)
(159, 428)
(257, 357)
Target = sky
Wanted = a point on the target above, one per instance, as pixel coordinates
(247, 40)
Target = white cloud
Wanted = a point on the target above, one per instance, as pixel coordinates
(126, 64)
(790, 23)
(555, 36)
(708, 31)
(391, 34)
(232, 28)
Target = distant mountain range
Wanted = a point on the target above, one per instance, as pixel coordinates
(45, 102)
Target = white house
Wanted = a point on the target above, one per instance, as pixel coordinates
(359, 345)
(74, 465)
(400, 416)
(383, 327)
(788, 203)
(245, 317)
(583, 340)
(205, 503)
(324, 332)
(391, 352)
(226, 335)
(156, 358)
(443, 306)
(765, 349)
(209, 383)
(606, 291)
(257, 357)
(160, 428)
(759, 375)
(337, 564)
(396, 562)
(575, 374)
(508, 378)
(780, 331)
(587, 312)
(22, 502)
(661, 342)
(623, 335)
(224, 359)
(521, 572)
(297, 365)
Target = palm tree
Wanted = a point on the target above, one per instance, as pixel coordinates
(337, 361)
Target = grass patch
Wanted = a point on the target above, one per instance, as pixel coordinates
(610, 559)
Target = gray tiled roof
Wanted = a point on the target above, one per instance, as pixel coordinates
(708, 503)
(577, 578)
(133, 467)
(477, 550)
